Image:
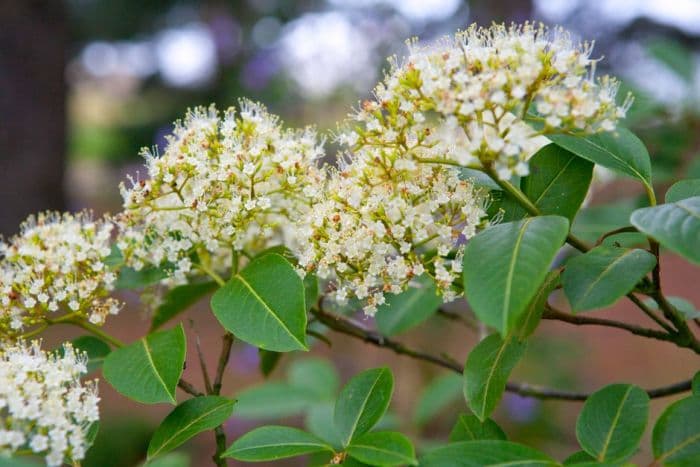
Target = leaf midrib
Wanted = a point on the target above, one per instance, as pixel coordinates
(511, 273)
(492, 370)
(603, 273)
(620, 160)
(155, 369)
(553, 180)
(362, 408)
(679, 446)
(222, 405)
(383, 451)
(269, 310)
(613, 425)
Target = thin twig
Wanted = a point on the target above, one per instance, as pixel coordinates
(626, 229)
(554, 314)
(188, 388)
(343, 325)
(219, 433)
(203, 365)
(459, 318)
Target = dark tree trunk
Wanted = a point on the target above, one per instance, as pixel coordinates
(32, 108)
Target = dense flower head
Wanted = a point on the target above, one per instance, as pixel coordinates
(225, 183)
(44, 408)
(385, 220)
(55, 265)
(479, 87)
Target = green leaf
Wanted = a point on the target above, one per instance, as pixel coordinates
(603, 275)
(178, 300)
(470, 428)
(533, 314)
(130, 278)
(676, 437)
(558, 181)
(264, 305)
(268, 361)
(383, 448)
(310, 290)
(174, 459)
(674, 55)
(319, 421)
(486, 453)
(612, 422)
(148, 370)
(512, 259)
(592, 222)
(675, 225)
(696, 384)
(269, 443)
(96, 350)
(316, 376)
(478, 178)
(578, 457)
(403, 311)
(272, 400)
(683, 190)
(362, 402)
(620, 151)
(438, 395)
(187, 420)
(486, 372)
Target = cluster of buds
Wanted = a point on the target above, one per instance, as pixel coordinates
(44, 408)
(55, 267)
(225, 183)
(479, 88)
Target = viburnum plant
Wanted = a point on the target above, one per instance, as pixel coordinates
(459, 180)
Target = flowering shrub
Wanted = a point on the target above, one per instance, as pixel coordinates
(458, 180)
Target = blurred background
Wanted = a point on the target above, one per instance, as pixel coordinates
(84, 84)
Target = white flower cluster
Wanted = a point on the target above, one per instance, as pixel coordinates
(225, 183)
(480, 86)
(56, 264)
(44, 407)
(385, 219)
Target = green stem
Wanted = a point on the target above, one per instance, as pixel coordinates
(211, 273)
(91, 328)
(533, 210)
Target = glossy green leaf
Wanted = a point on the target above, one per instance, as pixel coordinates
(470, 428)
(129, 278)
(612, 422)
(383, 448)
(676, 437)
(148, 370)
(511, 258)
(315, 375)
(269, 443)
(362, 402)
(272, 400)
(558, 181)
(675, 225)
(178, 300)
(486, 372)
(438, 395)
(410, 308)
(619, 150)
(187, 420)
(683, 190)
(533, 314)
(696, 384)
(600, 277)
(486, 453)
(96, 350)
(264, 305)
